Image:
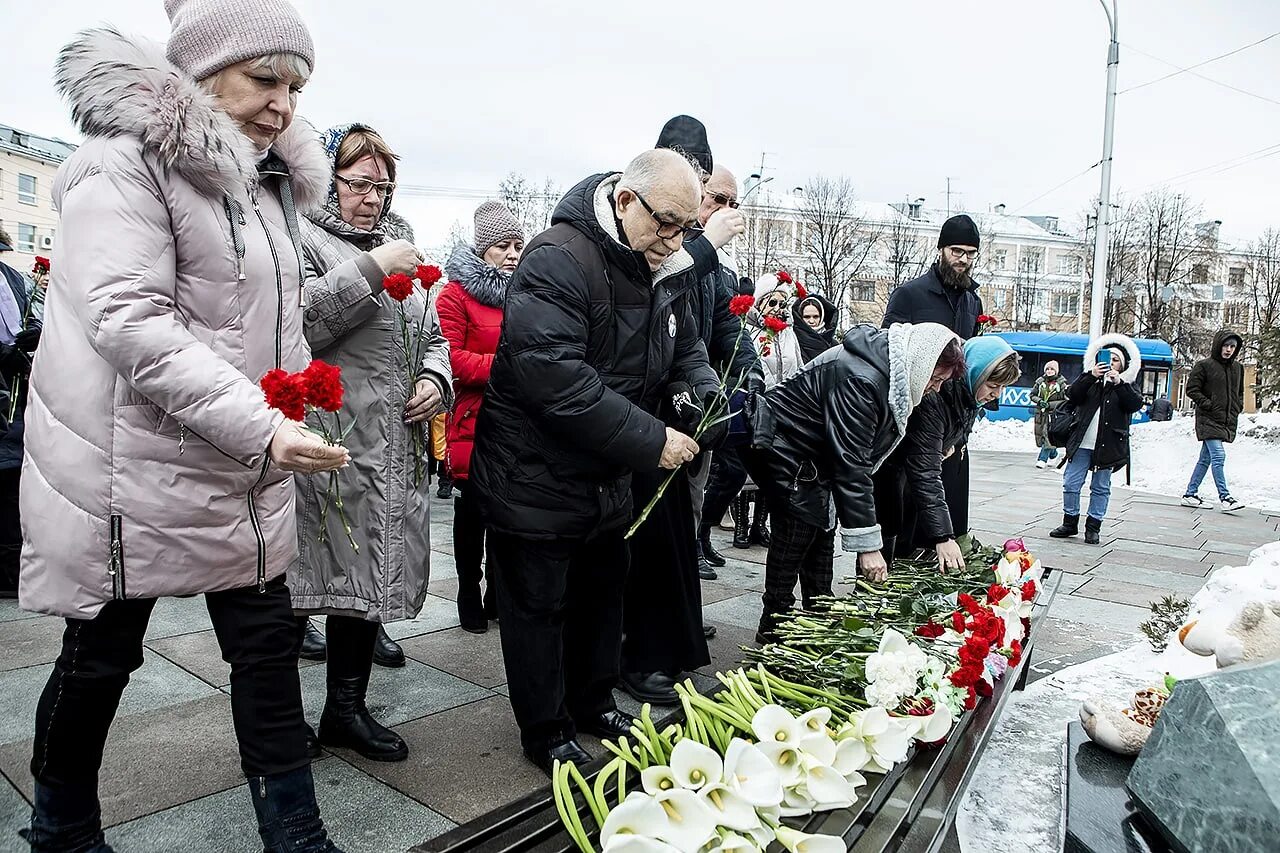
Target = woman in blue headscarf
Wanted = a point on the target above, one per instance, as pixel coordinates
(910, 502)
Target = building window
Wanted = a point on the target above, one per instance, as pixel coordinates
(1234, 314)
(1235, 277)
(1070, 265)
(1032, 260)
(999, 299)
(1218, 295)
(1066, 303)
(26, 238)
(1000, 259)
(864, 291)
(27, 189)
(1200, 274)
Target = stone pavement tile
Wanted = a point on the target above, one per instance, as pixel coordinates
(1116, 618)
(446, 588)
(27, 642)
(476, 658)
(1171, 582)
(396, 695)
(726, 647)
(173, 616)
(10, 611)
(1217, 547)
(200, 655)
(157, 684)
(155, 760)
(462, 762)
(1217, 560)
(743, 611)
(718, 590)
(436, 615)
(359, 814)
(15, 813)
(1122, 592)
(1158, 550)
(1125, 557)
(740, 574)
(1133, 531)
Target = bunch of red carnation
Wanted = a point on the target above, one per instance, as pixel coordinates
(740, 305)
(41, 266)
(399, 285)
(319, 386)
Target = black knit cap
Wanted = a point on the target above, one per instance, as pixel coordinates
(959, 230)
(688, 136)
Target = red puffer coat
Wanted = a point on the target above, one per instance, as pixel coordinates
(470, 310)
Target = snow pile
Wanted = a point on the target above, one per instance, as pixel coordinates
(1165, 453)
(1025, 752)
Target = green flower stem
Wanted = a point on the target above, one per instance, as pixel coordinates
(571, 808)
(598, 811)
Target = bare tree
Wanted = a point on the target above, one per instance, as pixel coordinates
(1263, 301)
(531, 204)
(837, 243)
(766, 244)
(907, 254)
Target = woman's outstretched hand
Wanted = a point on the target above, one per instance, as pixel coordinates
(298, 449)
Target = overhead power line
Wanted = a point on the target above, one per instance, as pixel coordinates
(1223, 165)
(1188, 70)
(1074, 177)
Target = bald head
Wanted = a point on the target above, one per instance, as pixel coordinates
(657, 197)
(721, 189)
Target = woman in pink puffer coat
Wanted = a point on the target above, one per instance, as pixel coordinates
(154, 466)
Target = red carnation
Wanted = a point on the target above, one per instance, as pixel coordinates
(784, 277)
(1029, 590)
(740, 305)
(1016, 657)
(801, 293)
(398, 286)
(986, 318)
(966, 674)
(969, 603)
(41, 265)
(983, 688)
(286, 392)
(996, 592)
(324, 385)
(428, 274)
(957, 622)
(971, 701)
(930, 630)
(775, 324)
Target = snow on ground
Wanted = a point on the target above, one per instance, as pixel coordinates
(1026, 750)
(1164, 454)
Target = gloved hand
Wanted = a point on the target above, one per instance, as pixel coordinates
(714, 435)
(686, 410)
(13, 360)
(27, 340)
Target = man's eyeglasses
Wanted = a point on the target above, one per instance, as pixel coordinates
(967, 254)
(669, 230)
(724, 200)
(364, 186)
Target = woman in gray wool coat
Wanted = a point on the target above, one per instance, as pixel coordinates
(350, 322)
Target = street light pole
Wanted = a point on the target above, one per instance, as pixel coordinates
(1100, 245)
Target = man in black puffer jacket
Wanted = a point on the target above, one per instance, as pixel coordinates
(1216, 386)
(595, 329)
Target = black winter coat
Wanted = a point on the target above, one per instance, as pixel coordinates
(1117, 403)
(1216, 386)
(824, 431)
(940, 424)
(812, 342)
(719, 330)
(590, 340)
(927, 300)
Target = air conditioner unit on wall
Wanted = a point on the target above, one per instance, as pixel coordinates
(46, 242)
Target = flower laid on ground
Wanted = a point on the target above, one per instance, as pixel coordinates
(318, 388)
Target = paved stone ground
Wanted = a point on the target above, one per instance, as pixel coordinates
(171, 779)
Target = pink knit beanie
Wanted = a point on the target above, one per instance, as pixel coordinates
(209, 35)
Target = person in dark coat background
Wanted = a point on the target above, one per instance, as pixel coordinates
(815, 326)
(596, 328)
(1161, 409)
(1216, 386)
(1105, 399)
(1047, 394)
(19, 335)
(947, 295)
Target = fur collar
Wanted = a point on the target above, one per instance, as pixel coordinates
(605, 218)
(484, 283)
(1115, 339)
(119, 86)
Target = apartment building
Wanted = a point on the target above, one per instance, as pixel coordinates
(27, 165)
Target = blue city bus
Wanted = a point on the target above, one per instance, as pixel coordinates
(1068, 348)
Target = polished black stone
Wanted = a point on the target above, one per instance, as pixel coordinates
(1209, 777)
(1100, 815)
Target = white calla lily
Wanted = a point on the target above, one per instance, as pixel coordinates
(828, 789)
(639, 815)
(800, 842)
(851, 755)
(934, 726)
(695, 766)
(819, 747)
(774, 724)
(657, 779)
(815, 721)
(729, 808)
(785, 759)
(732, 842)
(750, 773)
(690, 822)
(797, 802)
(637, 844)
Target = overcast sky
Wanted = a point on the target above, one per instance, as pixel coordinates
(1005, 97)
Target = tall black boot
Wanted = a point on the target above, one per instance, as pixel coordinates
(742, 521)
(759, 528)
(1070, 527)
(1092, 527)
(288, 817)
(386, 651)
(66, 819)
(709, 553)
(313, 642)
(346, 721)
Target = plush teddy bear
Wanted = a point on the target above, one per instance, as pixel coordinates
(1124, 730)
(1252, 636)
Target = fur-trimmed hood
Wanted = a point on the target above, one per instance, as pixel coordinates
(485, 283)
(122, 86)
(1133, 360)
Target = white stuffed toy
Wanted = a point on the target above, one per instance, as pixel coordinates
(1125, 730)
(1252, 636)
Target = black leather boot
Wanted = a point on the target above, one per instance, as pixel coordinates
(313, 642)
(386, 651)
(66, 819)
(471, 613)
(288, 817)
(1070, 527)
(705, 572)
(346, 721)
(742, 521)
(709, 553)
(759, 527)
(1092, 527)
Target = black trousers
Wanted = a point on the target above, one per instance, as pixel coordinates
(10, 530)
(259, 638)
(663, 604)
(728, 476)
(798, 550)
(468, 542)
(955, 482)
(560, 608)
